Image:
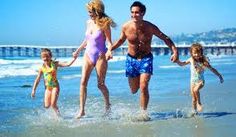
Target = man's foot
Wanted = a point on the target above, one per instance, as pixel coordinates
(81, 114)
(107, 111)
(199, 108)
(144, 116)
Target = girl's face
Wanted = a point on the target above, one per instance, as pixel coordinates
(45, 56)
(196, 54)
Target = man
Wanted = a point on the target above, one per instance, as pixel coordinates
(139, 62)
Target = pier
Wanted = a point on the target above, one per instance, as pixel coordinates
(31, 51)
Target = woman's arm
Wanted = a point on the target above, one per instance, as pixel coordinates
(84, 43)
(107, 33)
(81, 47)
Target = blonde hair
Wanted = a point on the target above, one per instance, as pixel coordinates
(199, 49)
(102, 20)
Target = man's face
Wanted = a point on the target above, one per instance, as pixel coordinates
(136, 14)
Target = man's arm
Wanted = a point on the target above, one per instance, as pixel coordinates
(117, 44)
(168, 42)
(120, 41)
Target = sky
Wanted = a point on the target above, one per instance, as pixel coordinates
(63, 22)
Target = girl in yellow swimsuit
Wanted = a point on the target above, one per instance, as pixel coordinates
(49, 72)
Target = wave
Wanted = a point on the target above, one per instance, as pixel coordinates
(71, 76)
(26, 67)
(169, 66)
(116, 71)
(17, 71)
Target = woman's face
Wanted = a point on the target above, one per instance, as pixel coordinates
(92, 14)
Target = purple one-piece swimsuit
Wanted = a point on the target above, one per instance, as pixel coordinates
(95, 45)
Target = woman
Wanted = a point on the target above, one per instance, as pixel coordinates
(97, 33)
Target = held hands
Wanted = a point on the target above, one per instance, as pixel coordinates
(109, 55)
(75, 54)
(174, 57)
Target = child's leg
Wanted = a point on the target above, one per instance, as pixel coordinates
(54, 98)
(197, 94)
(194, 98)
(47, 98)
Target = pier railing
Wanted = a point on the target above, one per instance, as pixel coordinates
(25, 51)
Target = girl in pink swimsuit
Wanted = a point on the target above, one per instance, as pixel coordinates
(98, 31)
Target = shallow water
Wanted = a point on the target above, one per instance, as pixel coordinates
(169, 105)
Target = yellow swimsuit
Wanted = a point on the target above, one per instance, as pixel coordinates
(50, 76)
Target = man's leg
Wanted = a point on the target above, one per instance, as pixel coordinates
(134, 84)
(144, 92)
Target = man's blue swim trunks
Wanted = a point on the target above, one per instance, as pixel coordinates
(135, 66)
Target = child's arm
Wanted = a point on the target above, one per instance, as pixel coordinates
(67, 64)
(183, 63)
(36, 82)
(216, 73)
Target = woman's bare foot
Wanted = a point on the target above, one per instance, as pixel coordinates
(199, 107)
(81, 114)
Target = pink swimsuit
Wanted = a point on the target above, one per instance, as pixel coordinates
(95, 45)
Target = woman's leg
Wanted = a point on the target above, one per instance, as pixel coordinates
(86, 71)
(101, 69)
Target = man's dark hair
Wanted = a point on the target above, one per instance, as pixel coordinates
(140, 5)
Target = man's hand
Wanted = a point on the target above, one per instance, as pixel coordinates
(109, 55)
(175, 57)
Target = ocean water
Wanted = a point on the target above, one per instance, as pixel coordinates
(169, 105)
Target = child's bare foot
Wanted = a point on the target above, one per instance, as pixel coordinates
(81, 114)
(199, 108)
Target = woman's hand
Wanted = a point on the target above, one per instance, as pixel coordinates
(109, 55)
